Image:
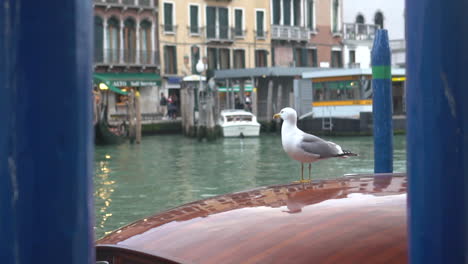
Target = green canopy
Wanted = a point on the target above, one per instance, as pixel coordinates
(115, 80)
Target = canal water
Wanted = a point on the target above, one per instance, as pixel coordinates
(135, 181)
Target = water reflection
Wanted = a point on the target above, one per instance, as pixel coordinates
(135, 181)
(103, 192)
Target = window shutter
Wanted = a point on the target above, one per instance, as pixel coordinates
(223, 23)
(166, 60)
(98, 40)
(297, 12)
(174, 48)
(304, 62)
(260, 30)
(168, 25)
(238, 29)
(211, 22)
(287, 12)
(276, 12)
(310, 14)
(194, 19)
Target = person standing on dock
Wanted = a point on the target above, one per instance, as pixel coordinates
(163, 105)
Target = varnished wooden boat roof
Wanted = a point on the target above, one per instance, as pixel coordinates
(360, 219)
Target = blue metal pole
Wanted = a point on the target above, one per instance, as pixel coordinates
(382, 103)
(46, 205)
(437, 97)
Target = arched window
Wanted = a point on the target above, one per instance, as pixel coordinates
(145, 42)
(113, 43)
(129, 40)
(98, 39)
(378, 19)
(360, 19)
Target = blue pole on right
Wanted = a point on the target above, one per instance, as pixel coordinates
(382, 103)
(437, 131)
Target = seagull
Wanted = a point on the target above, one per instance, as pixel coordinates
(303, 147)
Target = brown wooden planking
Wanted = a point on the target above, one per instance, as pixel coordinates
(348, 220)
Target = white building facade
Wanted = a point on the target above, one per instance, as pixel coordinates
(360, 20)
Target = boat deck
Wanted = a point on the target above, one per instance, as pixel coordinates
(360, 219)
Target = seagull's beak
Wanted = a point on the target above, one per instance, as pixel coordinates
(277, 116)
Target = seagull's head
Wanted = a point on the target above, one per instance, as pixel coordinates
(287, 114)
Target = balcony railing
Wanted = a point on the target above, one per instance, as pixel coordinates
(219, 33)
(126, 57)
(290, 33)
(123, 3)
(357, 31)
(398, 45)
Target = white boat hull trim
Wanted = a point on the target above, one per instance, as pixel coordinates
(241, 130)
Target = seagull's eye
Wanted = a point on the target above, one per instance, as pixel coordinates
(281, 112)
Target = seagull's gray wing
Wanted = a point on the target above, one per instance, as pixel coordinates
(317, 146)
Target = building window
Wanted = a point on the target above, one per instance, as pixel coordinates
(217, 22)
(311, 14)
(352, 57)
(239, 22)
(145, 42)
(98, 39)
(378, 19)
(113, 40)
(276, 12)
(336, 59)
(297, 12)
(261, 58)
(129, 41)
(169, 17)
(287, 12)
(298, 56)
(194, 58)
(260, 23)
(337, 90)
(336, 16)
(170, 59)
(224, 59)
(212, 58)
(239, 59)
(360, 19)
(194, 19)
(312, 60)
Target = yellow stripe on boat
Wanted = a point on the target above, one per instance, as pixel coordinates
(345, 102)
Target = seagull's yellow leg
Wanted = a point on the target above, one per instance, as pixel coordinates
(302, 172)
(302, 175)
(310, 168)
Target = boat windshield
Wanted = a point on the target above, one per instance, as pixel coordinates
(237, 118)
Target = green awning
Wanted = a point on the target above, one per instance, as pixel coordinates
(116, 80)
(247, 88)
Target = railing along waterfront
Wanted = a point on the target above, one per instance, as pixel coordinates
(357, 31)
(290, 33)
(118, 56)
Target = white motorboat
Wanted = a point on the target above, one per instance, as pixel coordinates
(239, 123)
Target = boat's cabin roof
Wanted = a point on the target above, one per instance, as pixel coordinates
(344, 220)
